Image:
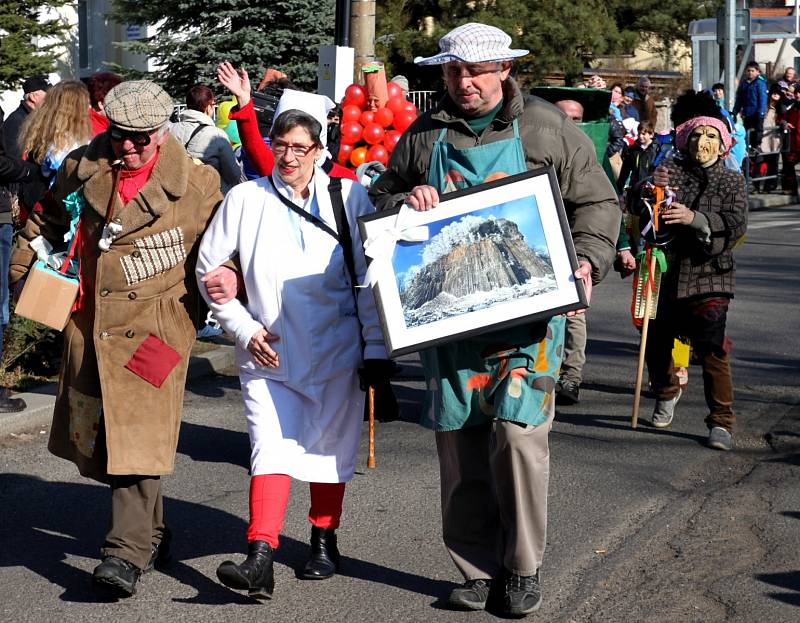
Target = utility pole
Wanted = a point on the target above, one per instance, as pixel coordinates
(335, 69)
(341, 35)
(729, 50)
(362, 34)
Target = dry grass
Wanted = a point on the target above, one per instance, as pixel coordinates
(20, 381)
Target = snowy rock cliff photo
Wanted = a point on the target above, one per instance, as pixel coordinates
(470, 264)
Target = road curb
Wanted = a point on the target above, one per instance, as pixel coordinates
(765, 202)
(40, 401)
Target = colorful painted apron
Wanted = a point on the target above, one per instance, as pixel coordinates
(508, 374)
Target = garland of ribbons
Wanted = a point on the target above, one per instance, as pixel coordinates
(74, 204)
(662, 198)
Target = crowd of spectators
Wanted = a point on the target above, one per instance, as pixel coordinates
(51, 146)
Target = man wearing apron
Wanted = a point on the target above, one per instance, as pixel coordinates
(490, 397)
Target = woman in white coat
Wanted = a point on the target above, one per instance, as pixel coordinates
(300, 339)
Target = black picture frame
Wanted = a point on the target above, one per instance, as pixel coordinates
(516, 228)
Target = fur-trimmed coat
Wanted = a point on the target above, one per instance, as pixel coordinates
(139, 310)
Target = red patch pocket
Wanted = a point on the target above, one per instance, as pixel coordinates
(153, 360)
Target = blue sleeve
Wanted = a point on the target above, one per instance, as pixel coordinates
(762, 98)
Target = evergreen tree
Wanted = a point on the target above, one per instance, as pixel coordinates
(23, 22)
(562, 35)
(193, 36)
(666, 22)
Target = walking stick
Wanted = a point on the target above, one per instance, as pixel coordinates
(648, 307)
(371, 453)
(650, 294)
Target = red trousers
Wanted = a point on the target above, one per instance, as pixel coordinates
(269, 494)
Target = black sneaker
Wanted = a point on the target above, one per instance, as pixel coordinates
(523, 594)
(567, 393)
(471, 595)
(9, 404)
(117, 574)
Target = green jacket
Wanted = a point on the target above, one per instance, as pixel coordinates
(548, 137)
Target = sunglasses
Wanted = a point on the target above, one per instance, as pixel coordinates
(140, 139)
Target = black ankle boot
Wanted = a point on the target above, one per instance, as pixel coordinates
(324, 561)
(254, 575)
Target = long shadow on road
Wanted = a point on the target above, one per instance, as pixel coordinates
(789, 580)
(45, 522)
(214, 444)
(620, 422)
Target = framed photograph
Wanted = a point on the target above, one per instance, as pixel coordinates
(486, 258)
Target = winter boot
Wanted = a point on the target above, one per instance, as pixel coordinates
(255, 574)
(324, 561)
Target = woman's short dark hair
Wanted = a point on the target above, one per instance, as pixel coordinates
(199, 97)
(293, 118)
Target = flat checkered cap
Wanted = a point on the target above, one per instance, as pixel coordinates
(138, 106)
(473, 43)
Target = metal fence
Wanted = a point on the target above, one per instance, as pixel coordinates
(764, 166)
(423, 100)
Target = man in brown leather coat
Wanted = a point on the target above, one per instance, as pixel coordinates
(145, 205)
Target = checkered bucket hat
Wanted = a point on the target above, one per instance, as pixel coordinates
(473, 43)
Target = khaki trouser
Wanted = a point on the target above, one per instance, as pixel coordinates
(574, 349)
(137, 518)
(494, 480)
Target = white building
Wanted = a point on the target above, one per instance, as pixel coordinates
(90, 46)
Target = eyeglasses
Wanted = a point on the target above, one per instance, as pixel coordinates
(456, 70)
(140, 139)
(279, 148)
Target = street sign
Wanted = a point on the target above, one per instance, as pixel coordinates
(134, 32)
(742, 26)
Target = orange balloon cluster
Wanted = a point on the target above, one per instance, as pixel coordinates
(368, 135)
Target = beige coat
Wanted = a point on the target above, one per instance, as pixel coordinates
(144, 285)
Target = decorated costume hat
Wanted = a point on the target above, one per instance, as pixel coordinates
(699, 109)
(684, 131)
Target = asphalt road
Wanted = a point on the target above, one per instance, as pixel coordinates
(645, 525)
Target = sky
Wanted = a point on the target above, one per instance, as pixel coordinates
(524, 212)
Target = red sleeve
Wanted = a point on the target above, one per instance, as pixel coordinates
(253, 144)
(337, 170)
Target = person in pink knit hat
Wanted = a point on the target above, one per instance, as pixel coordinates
(697, 231)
